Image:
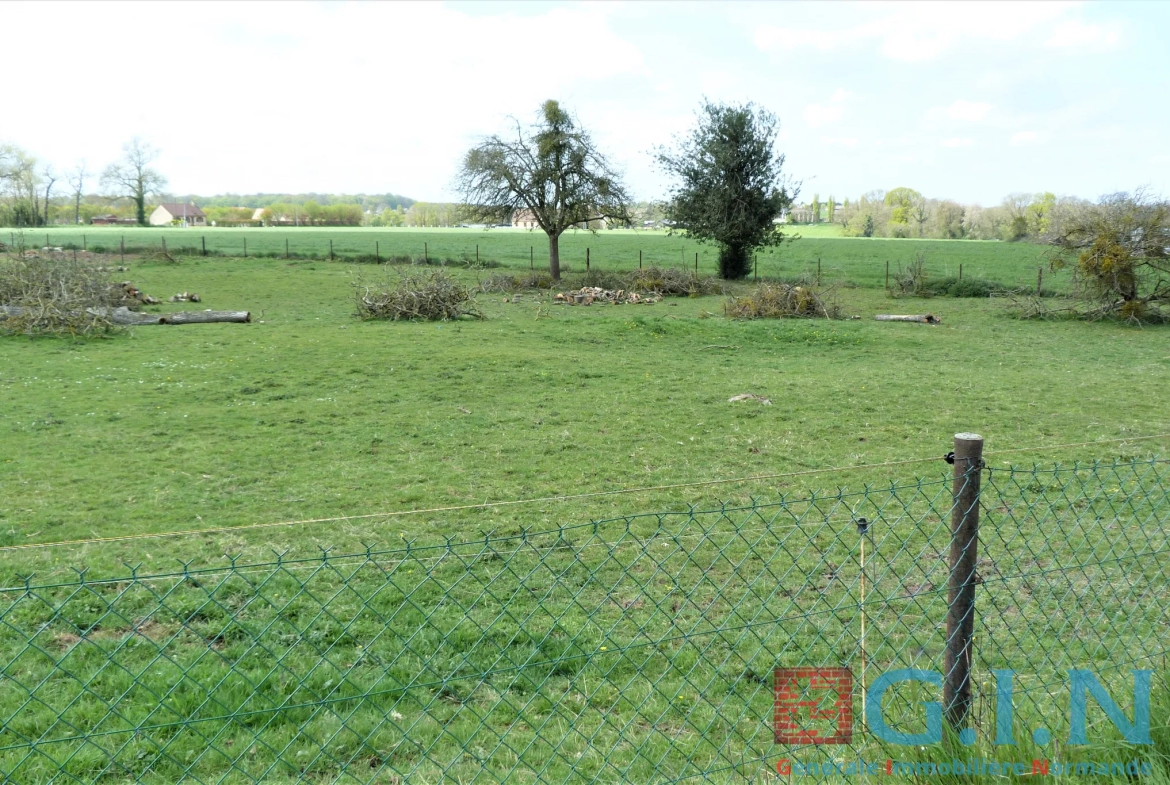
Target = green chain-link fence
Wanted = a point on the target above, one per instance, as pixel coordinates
(638, 649)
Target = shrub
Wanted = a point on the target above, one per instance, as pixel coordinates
(913, 281)
(56, 295)
(967, 287)
(415, 296)
(512, 283)
(777, 301)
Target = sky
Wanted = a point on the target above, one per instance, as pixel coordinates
(968, 101)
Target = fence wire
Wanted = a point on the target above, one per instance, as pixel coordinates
(637, 649)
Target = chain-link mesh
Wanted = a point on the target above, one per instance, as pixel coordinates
(639, 649)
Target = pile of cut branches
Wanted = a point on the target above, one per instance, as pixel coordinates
(587, 295)
(778, 301)
(56, 296)
(673, 282)
(415, 296)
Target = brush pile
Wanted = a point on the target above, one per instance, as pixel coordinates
(415, 296)
(779, 301)
(56, 296)
(673, 282)
(587, 295)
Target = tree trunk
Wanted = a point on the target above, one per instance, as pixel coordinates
(554, 256)
(205, 317)
(926, 318)
(140, 203)
(125, 316)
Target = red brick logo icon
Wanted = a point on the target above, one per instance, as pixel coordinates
(813, 706)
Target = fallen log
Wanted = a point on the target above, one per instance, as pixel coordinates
(124, 316)
(925, 318)
(206, 317)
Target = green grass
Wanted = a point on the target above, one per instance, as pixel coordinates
(308, 413)
(859, 261)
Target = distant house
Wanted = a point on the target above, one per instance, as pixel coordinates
(524, 219)
(168, 213)
(108, 220)
(258, 214)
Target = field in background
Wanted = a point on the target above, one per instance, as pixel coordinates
(857, 260)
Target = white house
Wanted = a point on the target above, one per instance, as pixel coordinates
(168, 213)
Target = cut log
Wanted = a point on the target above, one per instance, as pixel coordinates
(125, 316)
(926, 318)
(206, 317)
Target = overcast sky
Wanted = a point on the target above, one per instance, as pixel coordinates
(966, 101)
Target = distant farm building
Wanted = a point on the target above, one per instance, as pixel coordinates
(109, 220)
(524, 219)
(168, 213)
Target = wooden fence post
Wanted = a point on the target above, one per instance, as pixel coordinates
(639, 258)
(1039, 280)
(245, 247)
(123, 247)
(331, 249)
(377, 252)
(960, 271)
(696, 261)
(531, 263)
(818, 271)
(203, 242)
(164, 242)
(968, 459)
(586, 260)
(477, 253)
(286, 248)
(83, 242)
(426, 254)
(887, 274)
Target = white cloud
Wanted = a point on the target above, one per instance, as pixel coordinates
(969, 111)
(916, 31)
(1081, 36)
(957, 142)
(848, 142)
(1021, 138)
(829, 113)
(370, 96)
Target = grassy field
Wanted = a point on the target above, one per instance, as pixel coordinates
(858, 260)
(308, 414)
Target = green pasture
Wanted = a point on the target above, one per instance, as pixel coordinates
(857, 260)
(309, 414)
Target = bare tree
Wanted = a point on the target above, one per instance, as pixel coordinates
(132, 177)
(553, 170)
(49, 177)
(77, 181)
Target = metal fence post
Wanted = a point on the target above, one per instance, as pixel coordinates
(968, 459)
(586, 260)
